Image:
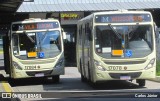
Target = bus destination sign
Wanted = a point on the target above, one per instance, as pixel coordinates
(122, 18)
(35, 26)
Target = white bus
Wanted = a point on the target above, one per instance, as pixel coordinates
(116, 45)
(34, 48)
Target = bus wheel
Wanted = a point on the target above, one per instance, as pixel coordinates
(89, 75)
(55, 78)
(83, 79)
(94, 85)
(141, 82)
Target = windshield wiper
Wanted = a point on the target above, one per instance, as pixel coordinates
(115, 32)
(132, 32)
(43, 37)
(29, 37)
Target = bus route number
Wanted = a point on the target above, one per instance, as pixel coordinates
(115, 67)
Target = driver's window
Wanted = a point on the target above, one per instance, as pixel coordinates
(15, 44)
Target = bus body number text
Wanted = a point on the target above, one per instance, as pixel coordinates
(115, 67)
(30, 67)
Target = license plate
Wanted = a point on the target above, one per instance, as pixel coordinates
(125, 77)
(39, 75)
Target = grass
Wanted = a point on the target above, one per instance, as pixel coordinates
(1, 51)
(158, 68)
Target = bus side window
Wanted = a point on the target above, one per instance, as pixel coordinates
(88, 32)
(80, 34)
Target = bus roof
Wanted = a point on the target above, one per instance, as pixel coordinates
(35, 24)
(121, 12)
(35, 20)
(114, 12)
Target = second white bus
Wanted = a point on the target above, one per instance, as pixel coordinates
(116, 45)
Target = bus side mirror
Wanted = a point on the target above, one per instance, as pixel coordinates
(64, 35)
(156, 29)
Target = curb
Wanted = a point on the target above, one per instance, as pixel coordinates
(157, 79)
(4, 85)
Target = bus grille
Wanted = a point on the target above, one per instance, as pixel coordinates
(33, 73)
(125, 62)
(132, 75)
(37, 61)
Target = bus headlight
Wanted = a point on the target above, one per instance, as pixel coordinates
(150, 64)
(99, 65)
(59, 63)
(16, 66)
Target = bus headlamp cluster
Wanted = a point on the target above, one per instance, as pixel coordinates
(150, 64)
(16, 66)
(99, 65)
(59, 63)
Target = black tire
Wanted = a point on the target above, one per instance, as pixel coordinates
(141, 82)
(89, 74)
(94, 85)
(55, 78)
(83, 79)
(12, 81)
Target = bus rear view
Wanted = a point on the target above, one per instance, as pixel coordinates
(122, 47)
(35, 49)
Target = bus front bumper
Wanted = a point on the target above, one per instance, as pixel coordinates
(38, 73)
(124, 75)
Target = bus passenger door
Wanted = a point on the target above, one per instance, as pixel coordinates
(86, 49)
(83, 52)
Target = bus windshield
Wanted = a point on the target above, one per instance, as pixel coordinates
(123, 41)
(33, 43)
